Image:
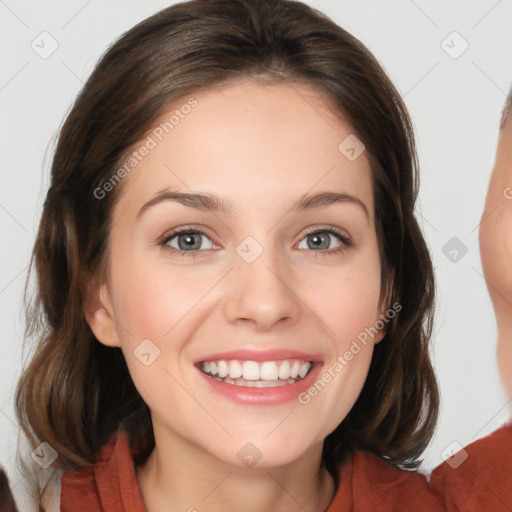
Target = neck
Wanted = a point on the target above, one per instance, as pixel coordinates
(180, 476)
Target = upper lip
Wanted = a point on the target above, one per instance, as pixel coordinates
(260, 355)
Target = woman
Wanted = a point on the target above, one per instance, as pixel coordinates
(200, 352)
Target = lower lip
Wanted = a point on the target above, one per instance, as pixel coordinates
(263, 396)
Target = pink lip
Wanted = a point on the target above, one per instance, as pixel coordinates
(263, 396)
(260, 355)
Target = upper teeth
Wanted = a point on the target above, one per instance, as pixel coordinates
(253, 370)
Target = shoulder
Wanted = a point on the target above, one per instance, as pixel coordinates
(379, 483)
(368, 482)
(81, 485)
(478, 477)
(111, 480)
(479, 474)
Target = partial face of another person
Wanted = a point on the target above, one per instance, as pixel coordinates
(270, 292)
(496, 249)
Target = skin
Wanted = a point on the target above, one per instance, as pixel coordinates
(261, 147)
(496, 251)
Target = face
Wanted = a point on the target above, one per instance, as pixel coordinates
(496, 249)
(261, 288)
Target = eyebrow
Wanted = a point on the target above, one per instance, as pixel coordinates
(212, 202)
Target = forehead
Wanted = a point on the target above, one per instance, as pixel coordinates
(247, 141)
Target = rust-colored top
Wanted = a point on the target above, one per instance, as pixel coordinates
(480, 482)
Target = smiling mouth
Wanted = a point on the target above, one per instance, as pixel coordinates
(255, 374)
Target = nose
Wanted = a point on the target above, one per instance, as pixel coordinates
(262, 292)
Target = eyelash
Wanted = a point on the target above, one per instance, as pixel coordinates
(346, 241)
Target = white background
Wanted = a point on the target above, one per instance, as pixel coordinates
(455, 105)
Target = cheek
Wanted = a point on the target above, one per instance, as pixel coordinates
(346, 299)
(156, 307)
(152, 300)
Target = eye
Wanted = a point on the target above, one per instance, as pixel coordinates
(321, 239)
(188, 242)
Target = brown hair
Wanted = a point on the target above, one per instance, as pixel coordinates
(76, 392)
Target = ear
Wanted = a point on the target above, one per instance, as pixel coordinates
(384, 306)
(99, 313)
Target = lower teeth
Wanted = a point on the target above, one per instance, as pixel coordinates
(255, 383)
